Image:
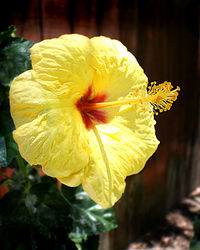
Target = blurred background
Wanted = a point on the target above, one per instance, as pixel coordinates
(164, 37)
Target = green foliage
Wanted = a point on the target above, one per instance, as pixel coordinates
(195, 242)
(3, 156)
(49, 217)
(14, 59)
(35, 213)
(88, 217)
(197, 226)
(7, 34)
(14, 56)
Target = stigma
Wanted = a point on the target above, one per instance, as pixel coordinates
(162, 96)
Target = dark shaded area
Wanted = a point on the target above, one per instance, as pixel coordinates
(178, 230)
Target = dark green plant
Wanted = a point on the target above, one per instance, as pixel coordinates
(36, 213)
(195, 241)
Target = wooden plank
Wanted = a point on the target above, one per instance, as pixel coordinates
(24, 15)
(107, 18)
(84, 18)
(128, 24)
(31, 25)
(55, 18)
(12, 14)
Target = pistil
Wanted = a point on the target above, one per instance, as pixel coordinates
(105, 105)
(93, 107)
(159, 96)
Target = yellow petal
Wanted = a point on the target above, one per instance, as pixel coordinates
(140, 120)
(28, 98)
(118, 151)
(46, 131)
(72, 180)
(62, 64)
(115, 69)
(55, 140)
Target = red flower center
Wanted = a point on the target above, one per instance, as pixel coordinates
(86, 106)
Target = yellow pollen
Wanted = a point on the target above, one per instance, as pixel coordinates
(159, 96)
(162, 96)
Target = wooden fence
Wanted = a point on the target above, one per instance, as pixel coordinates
(164, 36)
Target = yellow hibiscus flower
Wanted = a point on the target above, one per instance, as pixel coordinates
(84, 113)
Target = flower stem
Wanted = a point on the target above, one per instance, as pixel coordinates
(22, 166)
(68, 202)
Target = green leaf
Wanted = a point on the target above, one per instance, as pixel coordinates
(13, 212)
(6, 128)
(7, 34)
(5, 182)
(3, 94)
(37, 217)
(14, 56)
(15, 221)
(197, 226)
(89, 218)
(69, 193)
(14, 59)
(11, 148)
(92, 242)
(195, 244)
(3, 154)
(7, 124)
(51, 208)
